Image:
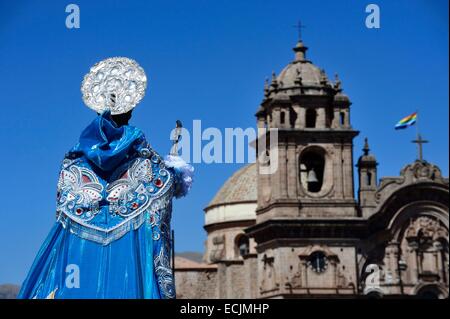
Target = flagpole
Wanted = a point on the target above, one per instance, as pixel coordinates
(417, 123)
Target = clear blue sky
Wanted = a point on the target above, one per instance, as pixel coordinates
(205, 60)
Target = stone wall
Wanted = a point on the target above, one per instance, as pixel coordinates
(196, 284)
(233, 280)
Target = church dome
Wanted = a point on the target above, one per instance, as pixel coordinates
(240, 187)
(236, 199)
(300, 76)
(301, 71)
(310, 74)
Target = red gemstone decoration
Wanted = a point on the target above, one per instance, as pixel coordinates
(158, 182)
(79, 211)
(135, 205)
(85, 179)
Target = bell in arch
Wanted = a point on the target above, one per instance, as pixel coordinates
(312, 177)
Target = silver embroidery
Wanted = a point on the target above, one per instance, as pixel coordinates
(164, 273)
(132, 199)
(79, 192)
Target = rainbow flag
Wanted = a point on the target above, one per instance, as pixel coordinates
(406, 121)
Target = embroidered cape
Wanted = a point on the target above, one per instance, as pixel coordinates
(114, 206)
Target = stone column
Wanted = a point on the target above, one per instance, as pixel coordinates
(347, 167)
(393, 250)
(261, 122)
(336, 158)
(282, 170)
(335, 123)
(287, 119)
(347, 119)
(276, 117)
(263, 181)
(321, 118)
(292, 169)
(438, 256)
(300, 121)
(413, 264)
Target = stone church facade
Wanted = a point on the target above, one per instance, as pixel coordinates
(300, 232)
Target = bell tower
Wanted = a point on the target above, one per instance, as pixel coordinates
(314, 173)
(367, 173)
(305, 188)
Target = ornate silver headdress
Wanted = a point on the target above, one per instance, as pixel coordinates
(116, 84)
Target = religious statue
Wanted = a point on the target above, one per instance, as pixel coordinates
(112, 235)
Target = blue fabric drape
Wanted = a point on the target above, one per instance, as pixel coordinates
(133, 266)
(121, 270)
(105, 144)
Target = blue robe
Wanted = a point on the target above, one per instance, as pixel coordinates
(112, 237)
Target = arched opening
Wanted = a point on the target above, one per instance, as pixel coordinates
(428, 295)
(428, 292)
(374, 295)
(312, 165)
(242, 245)
(292, 116)
(369, 179)
(318, 262)
(310, 120)
(342, 118)
(282, 117)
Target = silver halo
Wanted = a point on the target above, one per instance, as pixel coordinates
(116, 84)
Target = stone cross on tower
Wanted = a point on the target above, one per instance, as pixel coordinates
(419, 141)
